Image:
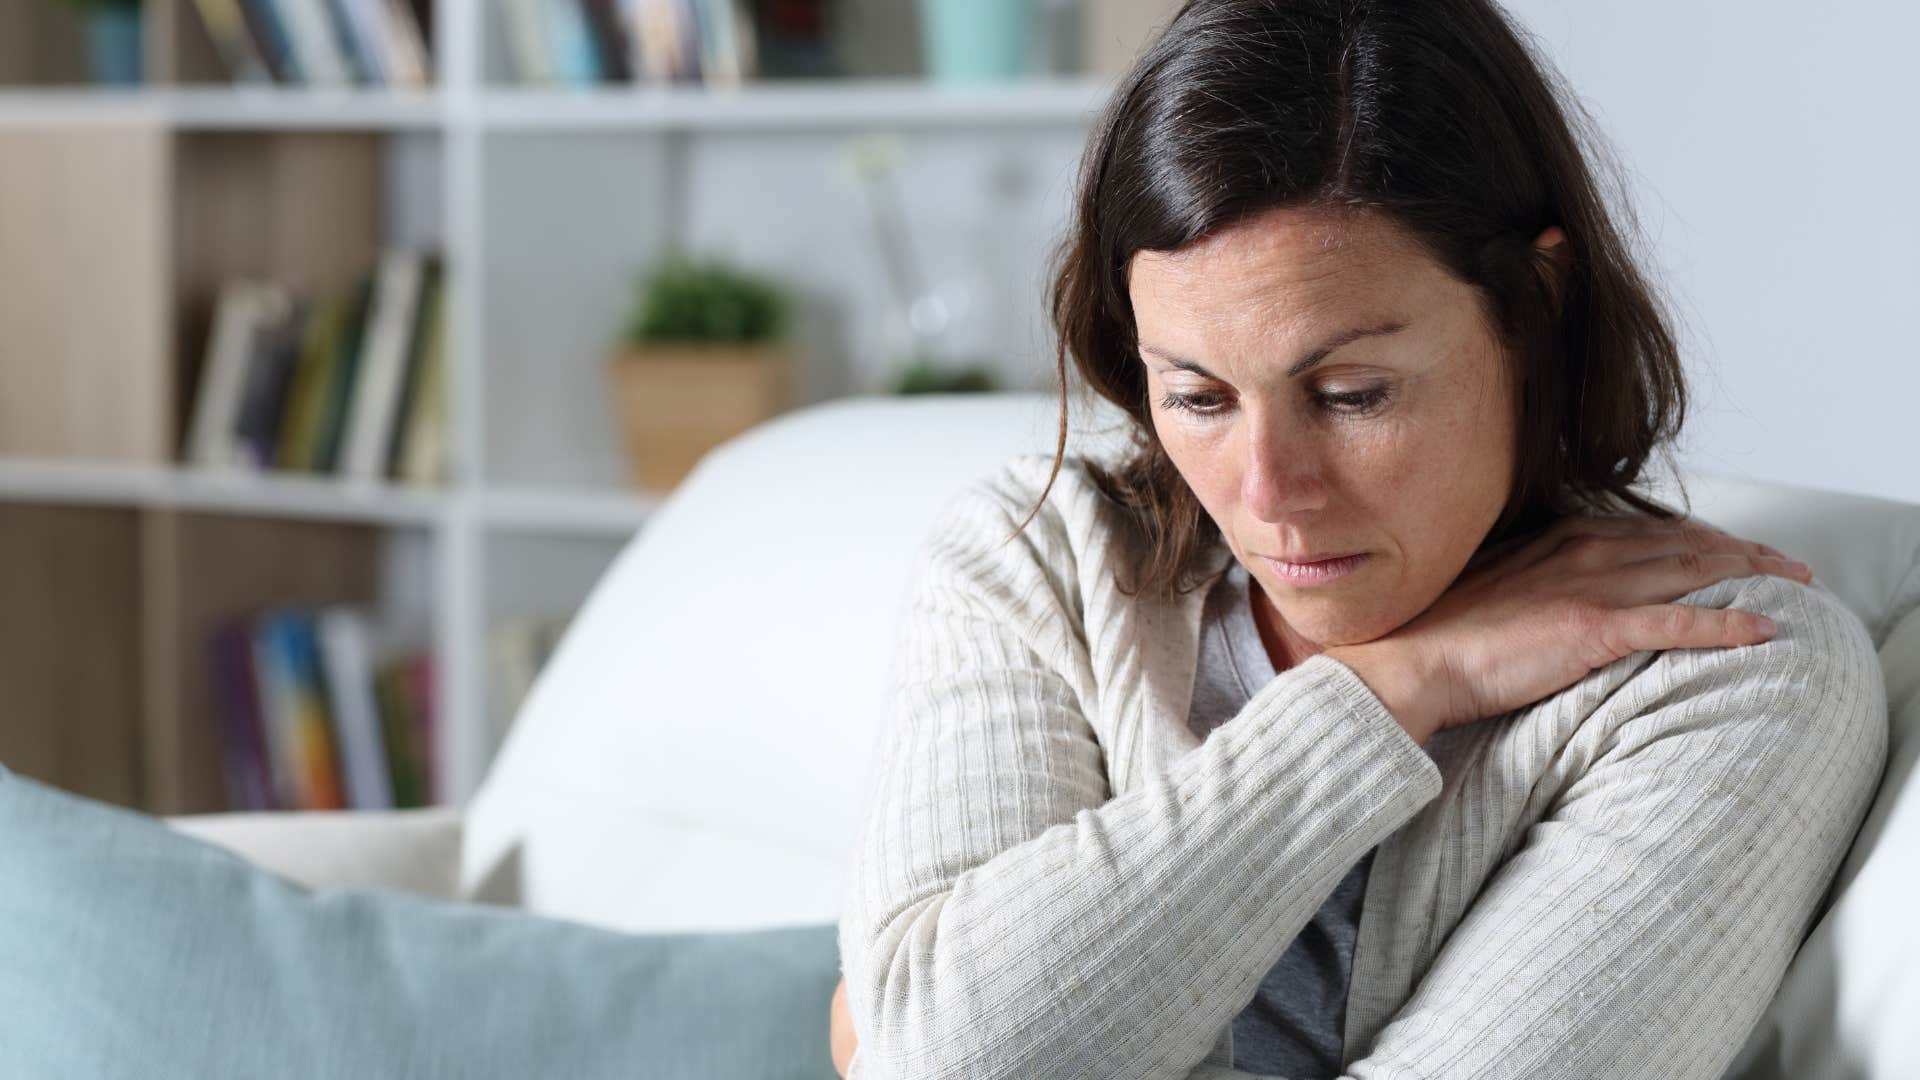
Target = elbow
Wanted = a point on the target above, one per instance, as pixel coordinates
(917, 1016)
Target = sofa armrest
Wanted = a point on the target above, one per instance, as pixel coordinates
(415, 850)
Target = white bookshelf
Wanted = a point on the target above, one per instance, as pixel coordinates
(543, 202)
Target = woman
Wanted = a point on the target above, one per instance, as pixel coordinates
(1365, 722)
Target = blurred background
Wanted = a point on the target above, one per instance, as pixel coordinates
(344, 343)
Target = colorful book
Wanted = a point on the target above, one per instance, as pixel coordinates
(303, 735)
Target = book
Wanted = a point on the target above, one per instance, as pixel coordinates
(276, 352)
(241, 311)
(244, 760)
(226, 26)
(312, 38)
(382, 368)
(420, 454)
(270, 37)
(346, 660)
(316, 758)
(363, 54)
(610, 39)
(306, 397)
(278, 720)
(409, 28)
(337, 397)
(525, 22)
(575, 59)
(417, 683)
(400, 729)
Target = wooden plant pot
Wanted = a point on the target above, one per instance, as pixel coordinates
(676, 402)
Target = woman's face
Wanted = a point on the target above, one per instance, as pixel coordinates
(1356, 401)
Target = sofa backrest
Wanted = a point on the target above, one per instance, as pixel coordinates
(692, 755)
(695, 755)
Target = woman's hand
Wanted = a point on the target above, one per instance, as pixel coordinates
(1534, 615)
(840, 1037)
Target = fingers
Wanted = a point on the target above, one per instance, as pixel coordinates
(1684, 626)
(1665, 577)
(1605, 543)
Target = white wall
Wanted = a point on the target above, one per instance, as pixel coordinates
(1774, 155)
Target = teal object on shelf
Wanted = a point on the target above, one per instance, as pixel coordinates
(113, 45)
(977, 41)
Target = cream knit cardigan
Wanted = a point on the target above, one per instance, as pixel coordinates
(1056, 878)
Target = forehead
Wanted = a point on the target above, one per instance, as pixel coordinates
(1289, 263)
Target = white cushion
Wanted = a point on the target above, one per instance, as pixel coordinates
(695, 754)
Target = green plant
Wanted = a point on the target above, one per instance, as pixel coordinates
(687, 301)
(925, 377)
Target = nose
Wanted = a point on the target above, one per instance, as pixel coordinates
(1283, 473)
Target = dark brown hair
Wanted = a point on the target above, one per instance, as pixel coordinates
(1433, 114)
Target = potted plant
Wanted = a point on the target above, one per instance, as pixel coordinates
(702, 360)
(113, 39)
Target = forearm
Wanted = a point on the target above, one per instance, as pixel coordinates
(1119, 942)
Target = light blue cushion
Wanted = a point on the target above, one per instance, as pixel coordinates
(127, 949)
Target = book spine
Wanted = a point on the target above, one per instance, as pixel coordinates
(421, 700)
(242, 741)
(610, 39)
(227, 27)
(424, 458)
(275, 689)
(313, 42)
(270, 372)
(345, 660)
(223, 373)
(572, 44)
(402, 742)
(275, 43)
(343, 378)
(318, 759)
(382, 366)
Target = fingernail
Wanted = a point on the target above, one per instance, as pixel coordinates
(1763, 624)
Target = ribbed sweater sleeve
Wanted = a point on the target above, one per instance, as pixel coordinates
(1006, 916)
(1645, 922)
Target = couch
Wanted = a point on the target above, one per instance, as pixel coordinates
(694, 756)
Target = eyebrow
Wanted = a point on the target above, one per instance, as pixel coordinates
(1304, 364)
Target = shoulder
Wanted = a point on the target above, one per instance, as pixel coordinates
(1061, 515)
(1806, 708)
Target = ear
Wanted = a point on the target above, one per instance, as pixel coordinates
(1552, 242)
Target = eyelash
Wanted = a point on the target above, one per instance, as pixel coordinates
(1356, 403)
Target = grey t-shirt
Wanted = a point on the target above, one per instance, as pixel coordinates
(1294, 1025)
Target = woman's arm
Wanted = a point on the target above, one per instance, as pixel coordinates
(1648, 919)
(1006, 916)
